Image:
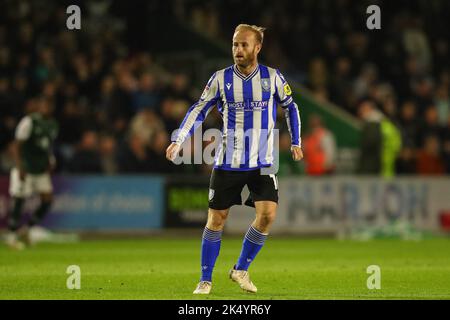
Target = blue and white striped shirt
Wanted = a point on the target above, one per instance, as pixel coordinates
(247, 105)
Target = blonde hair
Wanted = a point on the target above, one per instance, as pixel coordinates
(258, 31)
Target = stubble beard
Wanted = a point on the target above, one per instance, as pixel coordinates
(246, 62)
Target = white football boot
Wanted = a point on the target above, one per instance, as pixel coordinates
(243, 279)
(24, 235)
(203, 287)
(13, 242)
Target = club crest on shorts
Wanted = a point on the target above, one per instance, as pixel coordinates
(211, 194)
(265, 84)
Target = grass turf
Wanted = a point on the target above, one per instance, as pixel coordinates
(284, 269)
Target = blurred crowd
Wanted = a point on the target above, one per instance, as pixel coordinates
(401, 70)
(116, 107)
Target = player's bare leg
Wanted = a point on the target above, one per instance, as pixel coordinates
(12, 238)
(266, 212)
(46, 202)
(253, 242)
(211, 247)
(216, 219)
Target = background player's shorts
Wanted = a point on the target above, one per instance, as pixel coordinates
(34, 183)
(225, 188)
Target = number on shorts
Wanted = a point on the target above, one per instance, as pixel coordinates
(275, 181)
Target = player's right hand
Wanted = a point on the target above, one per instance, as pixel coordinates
(51, 164)
(172, 151)
(22, 174)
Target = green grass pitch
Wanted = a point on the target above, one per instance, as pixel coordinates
(286, 268)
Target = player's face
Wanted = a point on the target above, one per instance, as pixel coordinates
(245, 48)
(45, 108)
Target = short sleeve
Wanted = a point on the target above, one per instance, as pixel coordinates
(23, 130)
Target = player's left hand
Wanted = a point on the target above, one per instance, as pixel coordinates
(297, 153)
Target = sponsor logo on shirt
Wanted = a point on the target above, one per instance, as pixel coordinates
(248, 105)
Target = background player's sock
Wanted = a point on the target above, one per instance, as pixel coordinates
(210, 250)
(253, 242)
(40, 212)
(16, 212)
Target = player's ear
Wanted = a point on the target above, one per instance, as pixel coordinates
(258, 47)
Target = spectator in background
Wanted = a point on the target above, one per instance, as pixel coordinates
(380, 142)
(49, 90)
(166, 112)
(442, 103)
(318, 75)
(446, 145)
(388, 101)
(423, 93)
(107, 149)
(287, 167)
(133, 155)
(441, 54)
(19, 93)
(172, 112)
(429, 161)
(127, 85)
(342, 83)
(366, 79)
(179, 88)
(358, 44)
(7, 158)
(371, 140)
(106, 108)
(406, 161)
(409, 130)
(8, 121)
(408, 124)
(5, 61)
(71, 122)
(6, 136)
(145, 124)
(147, 96)
(157, 155)
(46, 68)
(82, 74)
(430, 125)
(416, 44)
(320, 148)
(86, 158)
(97, 76)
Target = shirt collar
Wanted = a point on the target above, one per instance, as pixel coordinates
(244, 77)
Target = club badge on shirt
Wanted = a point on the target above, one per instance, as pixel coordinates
(265, 84)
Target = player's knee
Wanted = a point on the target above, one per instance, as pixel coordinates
(267, 217)
(216, 219)
(47, 198)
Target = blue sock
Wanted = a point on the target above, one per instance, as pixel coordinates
(210, 250)
(253, 242)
